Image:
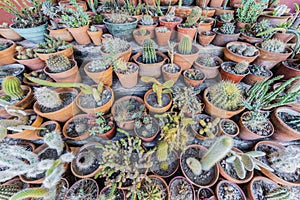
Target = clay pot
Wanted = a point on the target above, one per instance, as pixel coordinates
(32, 64)
(206, 25)
(183, 11)
(154, 69)
(80, 34)
(270, 59)
(212, 197)
(105, 76)
(7, 55)
(201, 4)
(185, 181)
(229, 55)
(203, 150)
(148, 139)
(185, 61)
(106, 37)
(150, 28)
(235, 78)
(233, 184)
(66, 52)
(208, 11)
(164, 183)
(171, 25)
(195, 131)
(286, 70)
(191, 82)
(85, 135)
(274, 20)
(220, 11)
(284, 37)
(162, 39)
(128, 80)
(93, 187)
(223, 132)
(235, 3)
(220, 23)
(251, 78)
(170, 76)
(10, 34)
(107, 187)
(168, 2)
(215, 3)
(250, 190)
(222, 39)
(124, 55)
(140, 38)
(248, 134)
(182, 31)
(218, 112)
(104, 108)
(63, 114)
(241, 25)
(206, 37)
(282, 131)
(95, 36)
(210, 72)
(249, 39)
(43, 125)
(157, 109)
(62, 33)
(71, 75)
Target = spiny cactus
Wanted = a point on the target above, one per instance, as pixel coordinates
(12, 87)
(147, 20)
(6, 191)
(143, 31)
(226, 17)
(85, 159)
(241, 67)
(250, 51)
(227, 28)
(54, 141)
(280, 193)
(115, 46)
(47, 98)
(273, 45)
(185, 45)
(152, 190)
(261, 27)
(243, 49)
(93, 29)
(207, 61)
(58, 63)
(225, 95)
(193, 17)
(208, 127)
(149, 55)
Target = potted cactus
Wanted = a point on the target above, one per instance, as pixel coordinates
(193, 77)
(206, 37)
(170, 21)
(206, 127)
(224, 18)
(127, 73)
(7, 51)
(146, 128)
(229, 127)
(228, 190)
(61, 69)
(27, 57)
(141, 34)
(95, 34)
(111, 193)
(100, 70)
(181, 189)
(148, 23)
(234, 72)
(149, 60)
(154, 187)
(117, 47)
(77, 127)
(278, 16)
(224, 34)
(102, 126)
(85, 188)
(185, 53)
(163, 35)
(257, 74)
(240, 51)
(208, 64)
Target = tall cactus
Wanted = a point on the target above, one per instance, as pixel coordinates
(193, 17)
(12, 87)
(185, 45)
(149, 54)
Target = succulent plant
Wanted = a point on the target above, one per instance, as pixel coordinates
(12, 87)
(226, 17)
(279, 193)
(58, 63)
(52, 45)
(115, 46)
(119, 18)
(208, 127)
(261, 27)
(147, 20)
(185, 45)
(243, 49)
(207, 61)
(193, 17)
(47, 98)
(93, 29)
(85, 159)
(143, 31)
(227, 28)
(163, 29)
(273, 45)
(225, 95)
(99, 124)
(149, 54)
(241, 67)
(99, 65)
(152, 190)
(25, 53)
(145, 121)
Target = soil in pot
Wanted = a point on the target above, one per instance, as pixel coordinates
(181, 189)
(146, 129)
(260, 188)
(77, 127)
(232, 68)
(229, 127)
(66, 97)
(264, 128)
(194, 75)
(205, 193)
(167, 167)
(88, 101)
(48, 129)
(118, 194)
(228, 191)
(288, 119)
(202, 123)
(152, 100)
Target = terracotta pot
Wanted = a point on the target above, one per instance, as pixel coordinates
(157, 109)
(215, 3)
(62, 33)
(248, 134)
(28, 134)
(210, 72)
(88, 182)
(282, 131)
(95, 36)
(286, 70)
(284, 37)
(32, 64)
(85, 135)
(191, 32)
(235, 3)
(106, 37)
(149, 2)
(185, 181)
(71, 75)
(250, 189)
(124, 55)
(191, 82)
(10, 34)
(206, 37)
(171, 25)
(220, 11)
(164, 183)
(241, 25)
(63, 114)
(218, 112)
(153, 70)
(274, 20)
(140, 38)
(80, 34)
(183, 11)
(195, 131)
(235, 78)
(111, 133)
(168, 2)
(162, 39)
(209, 11)
(150, 28)
(148, 139)
(229, 55)
(249, 39)
(107, 187)
(105, 76)
(269, 174)
(126, 125)
(200, 3)
(223, 132)
(223, 39)
(69, 5)
(43, 125)
(129, 80)
(7, 55)
(270, 59)
(233, 184)
(251, 78)
(66, 52)
(104, 108)
(185, 61)
(227, 176)
(170, 76)
(203, 150)
(213, 197)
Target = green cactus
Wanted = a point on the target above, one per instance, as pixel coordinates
(6, 191)
(12, 87)
(208, 127)
(149, 55)
(280, 193)
(241, 67)
(58, 63)
(185, 45)
(225, 95)
(147, 20)
(226, 17)
(30, 192)
(273, 45)
(152, 190)
(227, 28)
(47, 98)
(261, 27)
(207, 61)
(143, 31)
(193, 17)
(52, 45)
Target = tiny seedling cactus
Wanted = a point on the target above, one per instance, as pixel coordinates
(185, 45)
(58, 63)
(147, 20)
(280, 193)
(227, 28)
(241, 67)
(12, 87)
(226, 17)
(273, 45)
(93, 29)
(193, 17)
(47, 98)
(149, 55)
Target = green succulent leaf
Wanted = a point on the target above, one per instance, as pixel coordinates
(256, 154)
(239, 168)
(248, 162)
(231, 159)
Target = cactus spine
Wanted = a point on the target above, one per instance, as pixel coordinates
(193, 17)
(47, 98)
(6, 191)
(12, 87)
(149, 54)
(58, 63)
(185, 45)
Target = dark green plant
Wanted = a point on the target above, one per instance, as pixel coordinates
(226, 17)
(99, 124)
(98, 19)
(52, 45)
(75, 18)
(261, 27)
(149, 55)
(249, 11)
(193, 17)
(227, 28)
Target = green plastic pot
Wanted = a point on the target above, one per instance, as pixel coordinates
(123, 31)
(35, 34)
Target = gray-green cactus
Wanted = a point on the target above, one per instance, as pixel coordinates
(147, 20)
(149, 55)
(47, 98)
(58, 63)
(185, 45)
(241, 67)
(226, 17)
(207, 61)
(227, 28)
(193, 17)
(273, 45)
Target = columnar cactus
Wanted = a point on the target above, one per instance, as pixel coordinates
(227, 28)
(273, 45)
(58, 63)
(241, 67)
(149, 54)
(47, 98)
(185, 45)
(225, 95)
(147, 20)
(12, 87)
(193, 17)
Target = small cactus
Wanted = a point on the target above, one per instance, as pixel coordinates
(143, 31)
(185, 45)
(163, 29)
(149, 54)
(12, 87)
(241, 67)
(273, 45)
(261, 27)
(207, 61)
(147, 20)
(47, 98)
(226, 17)
(58, 63)
(280, 193)
(194, 165)
(225, 95)
(152, 190)
(193, 17)
(85, 160)
(208, 127)
(6, 191)
(227, 28)
(93, 29)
